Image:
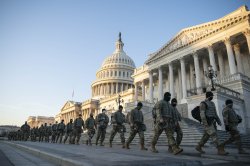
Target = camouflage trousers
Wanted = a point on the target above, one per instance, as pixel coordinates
(179, 135)
(70, 135)
(119, 129)
(209, 132)
(101, 132)
(168, 131)
(77, 135)
(53, 137)
(59, 136)
(25, 136)
(133, 133)
(234, 137)
(41, 137)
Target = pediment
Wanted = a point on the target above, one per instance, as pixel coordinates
(67, 105)
(191, 34)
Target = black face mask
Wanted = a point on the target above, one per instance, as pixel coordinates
(174, 105)
(167, 98)
(210, 98)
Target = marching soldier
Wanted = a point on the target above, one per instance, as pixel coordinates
(90, 125)
(164, 122)
(177, 127)
(231, 120)
(25, 128)
(78, 125)
(69, 132)
(102, 122)
(118, 126)
(54, 132)
(137, 126)
(60, 131)
(41, 133)
(209, 119)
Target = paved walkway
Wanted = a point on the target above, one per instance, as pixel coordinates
(61, 154)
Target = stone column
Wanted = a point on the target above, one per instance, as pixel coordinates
(211, 57)
(238, 58)
(100, 89)
(171, 79)
(247, 35)
(116, 88)
(197, 72)
(160, 91)
(122, 87)
(221, 63)
(230, 55)
(191, 71)
(143, 90)
(178, 89)
(183, 78)
(205, 69)
(112, 88)
(151, 97)
(136, 92)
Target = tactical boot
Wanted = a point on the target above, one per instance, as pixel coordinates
(170, 150)
(101, 144)
(176, 150)
(87, 142)
(221, 150)
(153, 149)
(96, 143)
(242, 151)
(127, 146)
(143, 147)
(123, 145)
(199, 149)
(110, 144)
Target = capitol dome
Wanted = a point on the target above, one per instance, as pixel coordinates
(115, 73)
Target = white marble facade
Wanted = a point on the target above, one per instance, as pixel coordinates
(179, 66)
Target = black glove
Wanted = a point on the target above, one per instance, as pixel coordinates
(227, 128)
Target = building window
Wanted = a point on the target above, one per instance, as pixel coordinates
(119, 73)
(115, 73)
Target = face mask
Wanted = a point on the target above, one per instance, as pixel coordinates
(174, 105)
(210, 98)
(168, 98)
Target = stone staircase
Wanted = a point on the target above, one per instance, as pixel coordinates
(192, 133)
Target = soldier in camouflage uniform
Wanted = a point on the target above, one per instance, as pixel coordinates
(177, 127)
(54, 132)
(137, 125)
(209, 119)
(118, 126)
(78, 124)
(102, 121)
(25, 128)
(41, 133)
(231, 120)
(69, 132)
(60, 131)
(32, 134)
(90, 124)
(46, 132)
(165, 122)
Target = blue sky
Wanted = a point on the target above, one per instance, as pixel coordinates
(50, 47)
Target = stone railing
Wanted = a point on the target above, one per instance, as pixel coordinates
(228, 91)
(140, 69)
(233, 77)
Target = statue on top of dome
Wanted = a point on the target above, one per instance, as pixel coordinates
(120, 36)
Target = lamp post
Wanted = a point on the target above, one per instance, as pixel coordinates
(119, 100)
(211, 74)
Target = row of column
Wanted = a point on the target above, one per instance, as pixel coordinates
(67, 116)
(114, 73)
(198, 80)
(110, 88)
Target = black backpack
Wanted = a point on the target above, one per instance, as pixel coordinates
(196, 112)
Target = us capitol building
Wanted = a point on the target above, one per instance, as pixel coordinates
(185, 66)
